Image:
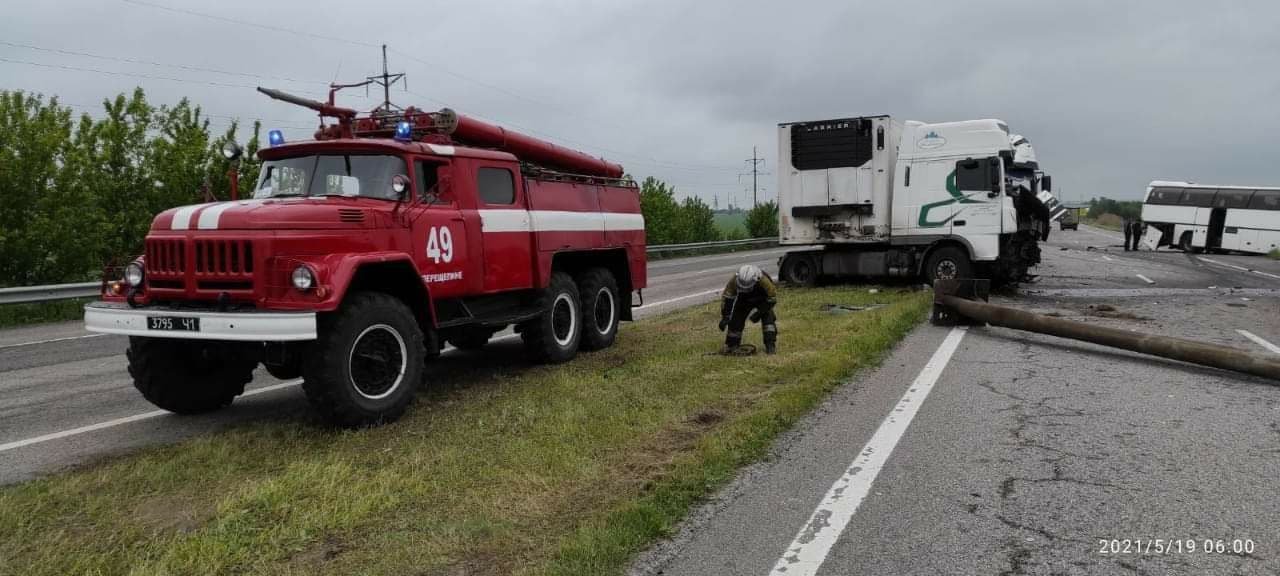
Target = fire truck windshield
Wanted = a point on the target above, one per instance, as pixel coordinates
(367, 176)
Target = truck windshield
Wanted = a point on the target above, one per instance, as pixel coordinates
(330, 175)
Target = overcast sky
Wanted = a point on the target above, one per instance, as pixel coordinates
(1112, 94)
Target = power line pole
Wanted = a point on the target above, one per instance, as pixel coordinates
(755, 163)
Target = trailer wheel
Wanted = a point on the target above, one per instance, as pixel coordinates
(800, 269)
(366, 366)
(946, 263)
(553, 337)
(470, 338)
(189, 376)
(600, 313)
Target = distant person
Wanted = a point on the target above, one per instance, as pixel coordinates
(1126, 226)
(1136, 230)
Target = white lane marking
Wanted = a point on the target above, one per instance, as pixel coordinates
(1241, 268)
(1107, 258)
(51, 340)
(677, 299)
(1145, 279)
(127, 419)
(1260, 341)
(148, 415)
(809, 550)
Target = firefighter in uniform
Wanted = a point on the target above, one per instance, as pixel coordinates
(751, 294)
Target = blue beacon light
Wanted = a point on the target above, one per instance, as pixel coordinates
(404, 131)
(275, 137)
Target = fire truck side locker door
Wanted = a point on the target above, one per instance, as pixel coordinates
(507, 226)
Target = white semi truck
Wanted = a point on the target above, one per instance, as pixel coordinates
(876, 197)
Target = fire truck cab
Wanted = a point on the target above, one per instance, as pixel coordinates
(359, 254)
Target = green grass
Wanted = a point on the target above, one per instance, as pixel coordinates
(42, 312)
(1274, 254)
(1106, 221)
(502, 468)
(732, 223)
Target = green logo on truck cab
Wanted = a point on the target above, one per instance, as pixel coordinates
(957, 197)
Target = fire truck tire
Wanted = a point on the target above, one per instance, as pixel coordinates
(600, 315)
(948, 262)
(470, 338)
(553, 337)
(366, 365)
(189, 376)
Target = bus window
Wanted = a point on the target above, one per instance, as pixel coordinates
(1228, 198)
(1265, 200)
(1168, 196)
(1197, 197)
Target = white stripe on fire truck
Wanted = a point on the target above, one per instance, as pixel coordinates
(209, 217)
(557, 221)
(182, 217)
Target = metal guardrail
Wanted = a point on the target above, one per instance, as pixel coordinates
(29, 294)
(700, 245)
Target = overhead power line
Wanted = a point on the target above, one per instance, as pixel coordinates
(158, 64)
(434, 67)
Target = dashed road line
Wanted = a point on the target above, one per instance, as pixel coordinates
(1145, 279)
(51, 340)
(806, 553)
(1107, 258)
(1260, 341)
(126, 420)
(1240, 268)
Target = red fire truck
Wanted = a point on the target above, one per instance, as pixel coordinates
(361, 252)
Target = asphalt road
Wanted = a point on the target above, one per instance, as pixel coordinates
(67, 399)
(992, 451)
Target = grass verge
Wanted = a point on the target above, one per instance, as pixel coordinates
(502, 468)
(1274, 254)
(42, 312)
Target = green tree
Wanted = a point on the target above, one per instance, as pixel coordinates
(661, 212)
(762, 220)
(696, 222)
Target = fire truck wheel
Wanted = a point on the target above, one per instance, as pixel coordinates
(948, 262)
(600, 314)
(470, 338)
(553, 337)
(189, 376)
(366, 366)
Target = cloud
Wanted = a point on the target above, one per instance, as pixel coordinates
(1113, 94)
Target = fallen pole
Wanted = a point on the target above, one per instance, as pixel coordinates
(955, 297)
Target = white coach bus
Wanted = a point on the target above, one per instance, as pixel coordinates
(1197, 217)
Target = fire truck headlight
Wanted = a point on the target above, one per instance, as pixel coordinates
(303, 278)
(133, 274)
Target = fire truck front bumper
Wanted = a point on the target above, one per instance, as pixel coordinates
(160, 322)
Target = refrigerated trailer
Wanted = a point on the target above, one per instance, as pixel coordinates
(1197, 217)
(875, 197)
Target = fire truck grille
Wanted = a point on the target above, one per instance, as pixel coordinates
(214, 264)
(223, 258)
(166, 257)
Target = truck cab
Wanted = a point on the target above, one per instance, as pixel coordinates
(356, 256)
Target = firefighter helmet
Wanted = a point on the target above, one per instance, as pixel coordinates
(748, 276)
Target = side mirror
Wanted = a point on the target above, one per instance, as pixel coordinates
(232, 151)
(993, 168)
(1046, 183)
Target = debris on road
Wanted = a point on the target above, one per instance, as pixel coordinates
(960, 301)
(845, 308)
